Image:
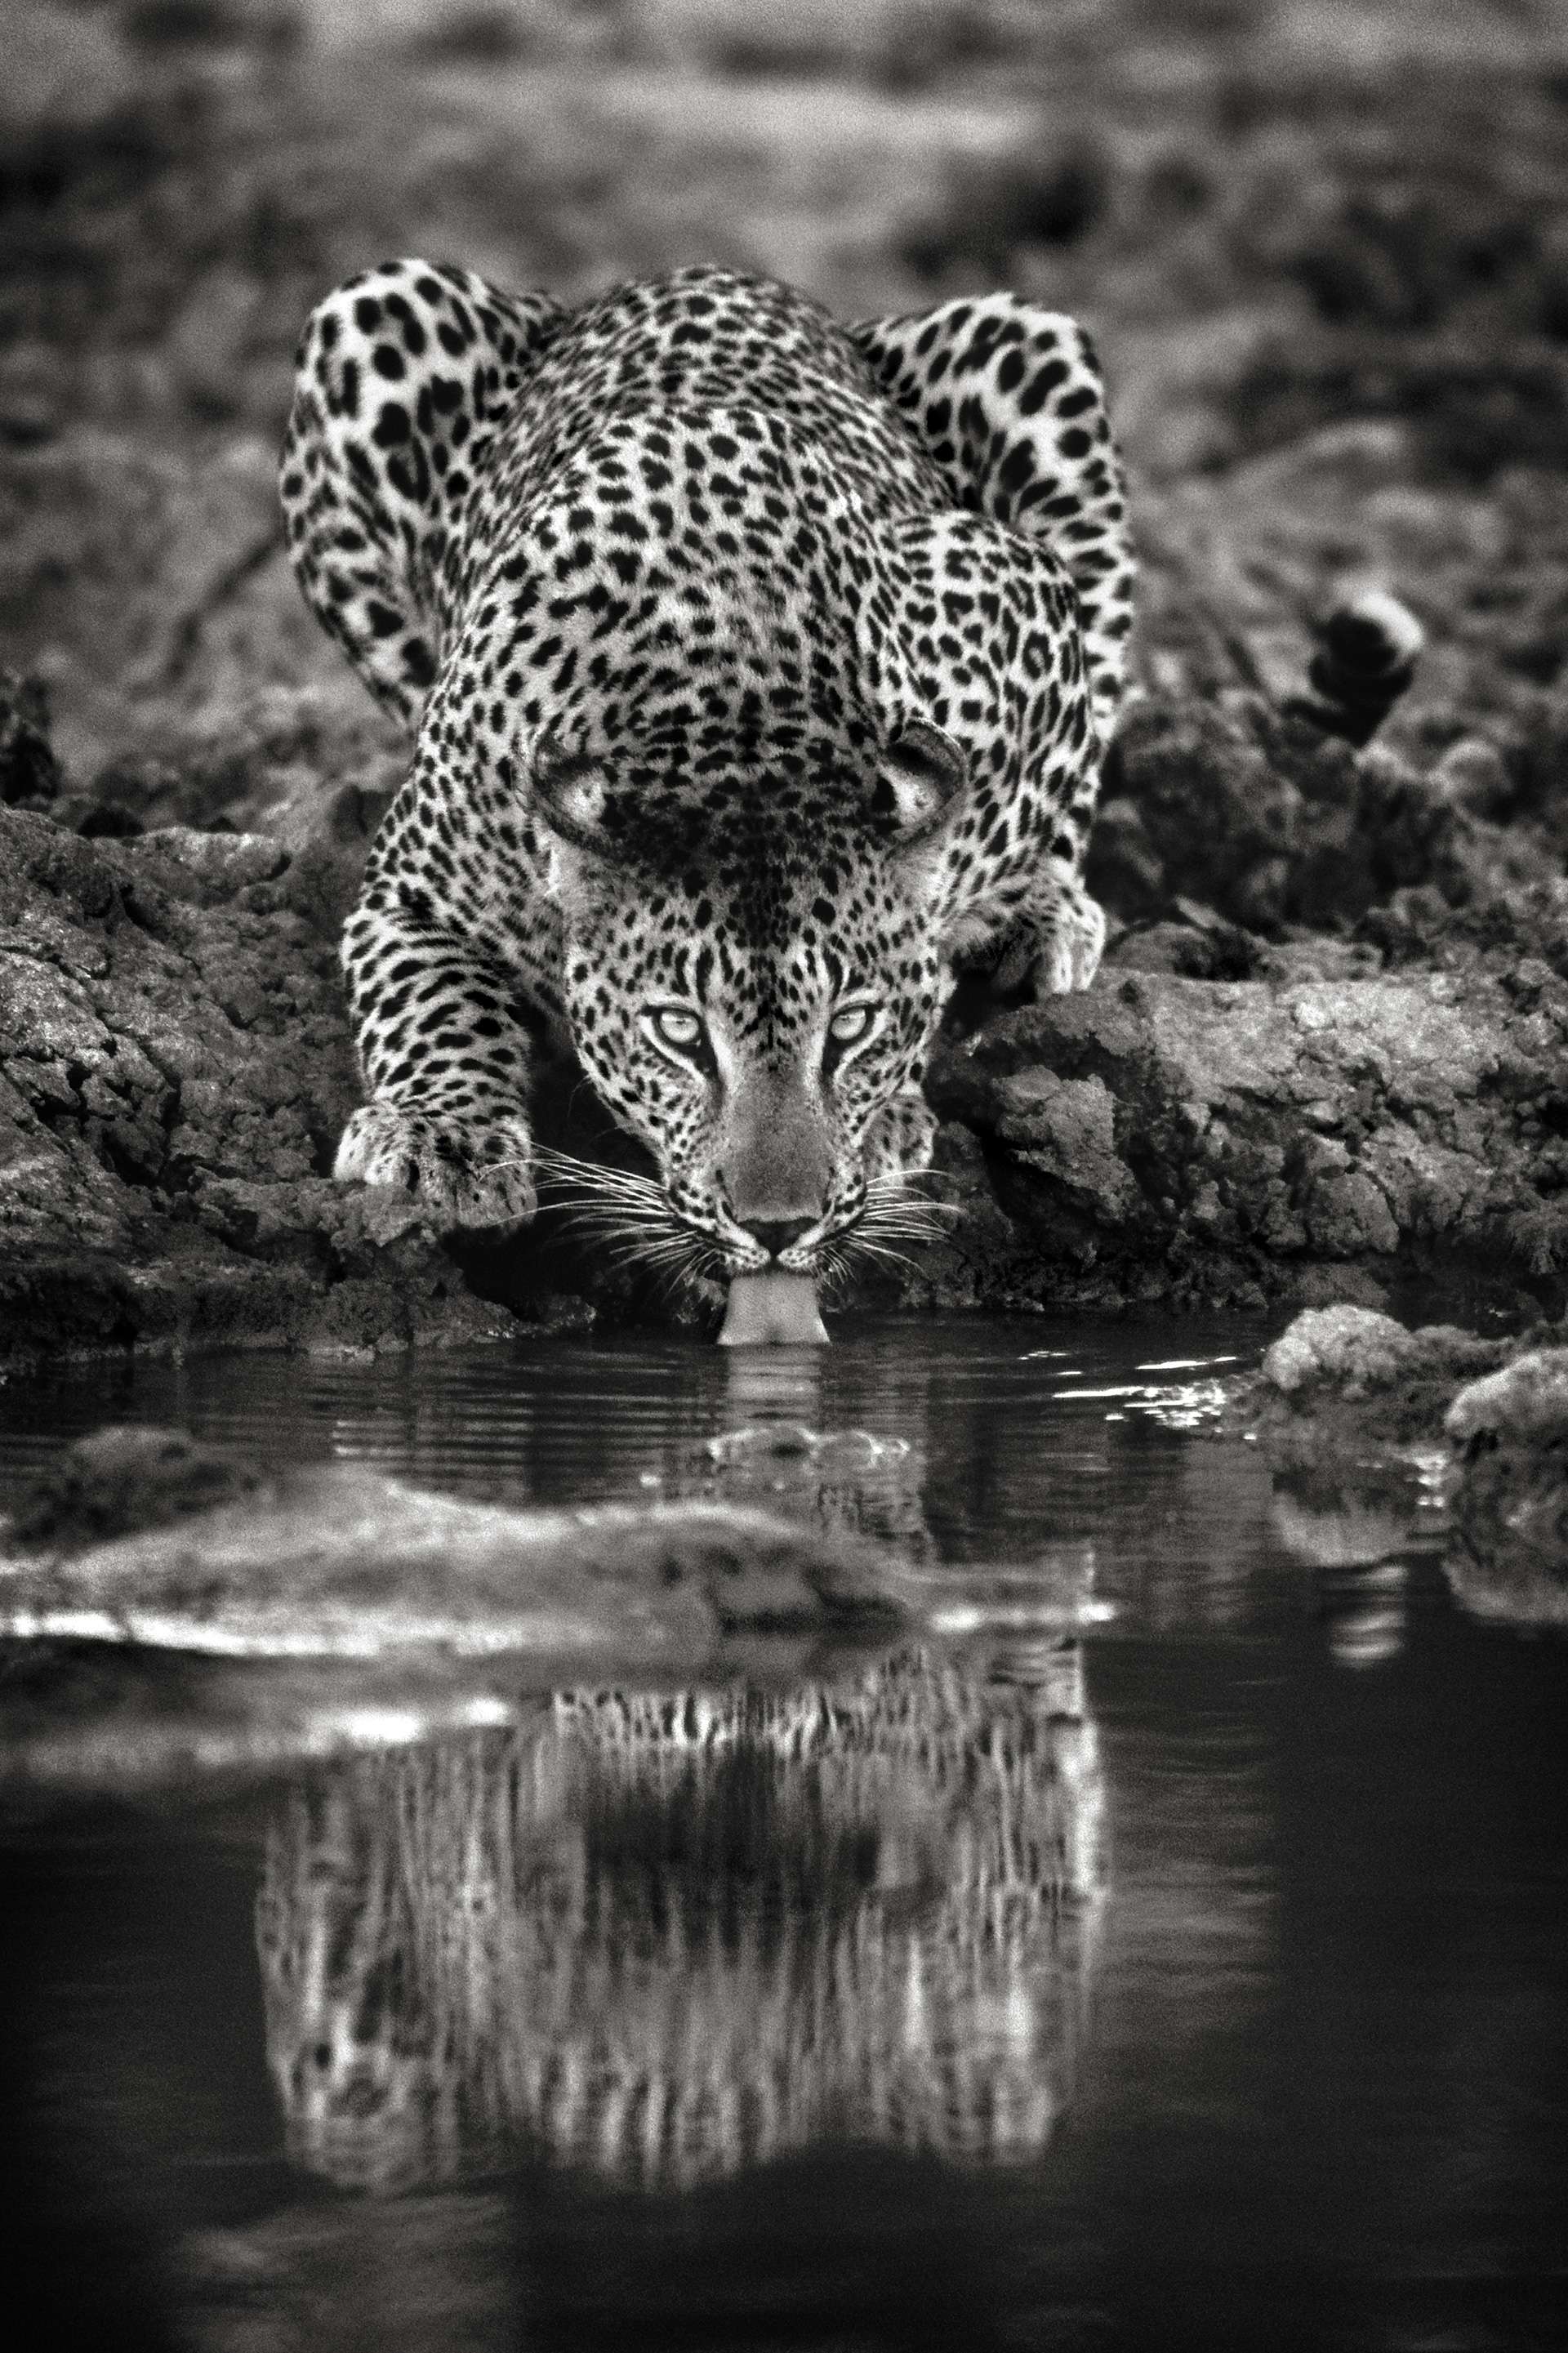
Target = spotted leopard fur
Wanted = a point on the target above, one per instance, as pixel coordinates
(758, 668)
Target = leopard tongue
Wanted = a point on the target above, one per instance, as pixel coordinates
(773, 1309)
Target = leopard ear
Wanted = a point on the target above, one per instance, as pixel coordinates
(923, 773)
(568, 793)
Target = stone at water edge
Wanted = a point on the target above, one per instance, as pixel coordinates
(334, 1560)
(1508, 1491)
(773, 1311)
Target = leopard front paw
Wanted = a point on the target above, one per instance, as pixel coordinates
(466, 1171)
(1054, 953)
(1071, 956)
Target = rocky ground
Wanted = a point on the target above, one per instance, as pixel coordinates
(1325, 251)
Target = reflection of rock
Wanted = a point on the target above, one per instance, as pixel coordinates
(1334, 1528)
(782, 1452)
(842, 1477)
(1351, 1533)
(123, 1478)
(338, 1561)
(1366, 1616)
(334, 2275)
(1509, 1491)
(665, 1938)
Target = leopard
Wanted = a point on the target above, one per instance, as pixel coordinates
(757, 667)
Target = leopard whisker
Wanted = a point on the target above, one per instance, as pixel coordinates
(914, 1218)
(630, 1219)
(837, 1270)
(885, 1236)
(886, 1194)
(624, 1251)
(903, 1232)
(615, 1185)
(687, 1259)
(614, 1216)
(559, 1157)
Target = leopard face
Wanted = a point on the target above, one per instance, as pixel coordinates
(751, 1018)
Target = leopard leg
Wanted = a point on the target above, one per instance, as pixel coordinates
(1009, 401)
(1055, 943)
(404, 375)
(447, 1060)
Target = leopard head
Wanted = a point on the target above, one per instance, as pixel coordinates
(753, 973)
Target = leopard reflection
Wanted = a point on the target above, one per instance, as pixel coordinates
(665, 1936)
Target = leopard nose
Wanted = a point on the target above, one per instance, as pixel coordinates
(775, 1234)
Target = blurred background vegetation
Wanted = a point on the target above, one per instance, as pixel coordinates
(1272, 211)
(1323, 245)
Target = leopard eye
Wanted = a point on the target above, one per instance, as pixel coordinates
(674, 1026)
(849, 1026)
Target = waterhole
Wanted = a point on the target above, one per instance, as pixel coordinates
(1191, 1978)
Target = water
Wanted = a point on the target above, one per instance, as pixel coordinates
(1198, 1983)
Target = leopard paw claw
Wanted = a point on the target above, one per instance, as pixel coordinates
(466, 1171)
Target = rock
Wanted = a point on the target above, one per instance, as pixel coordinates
(1346, 1385)
(1272, 821)
(279, 763)
(205, 348)
(95, 819)
(151, 588)
(1508, 1490)
(220, 864)
(175, 1068)
(123, 1478)
(339, 1561)
(29, 772)
(1158, 1137)
(1346, 1348)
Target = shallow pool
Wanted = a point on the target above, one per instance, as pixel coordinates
(1198, 1980)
